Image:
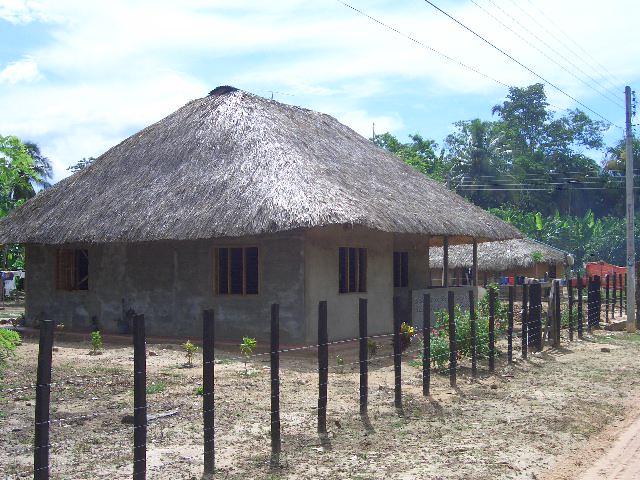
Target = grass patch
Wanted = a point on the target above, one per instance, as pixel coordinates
(156, 387)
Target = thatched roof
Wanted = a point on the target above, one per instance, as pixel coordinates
(500, 256)
(234, 164)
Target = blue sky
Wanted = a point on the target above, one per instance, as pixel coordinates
(78, 77)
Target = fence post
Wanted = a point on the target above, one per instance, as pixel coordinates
(426, 344)
(557, 313)
(570, 295)
(397, 355)
(43, 399)
(510, 325)
(535, 316)
(276, 445)
(607, 298)
(323, 367)
(525, 320)
(492, 333)
(453, 345)
(614, 296)
(597, 294)
(621, 292)
(580, 310)
(208, 382)
(363, 355)
(474, 333)
(139, 399)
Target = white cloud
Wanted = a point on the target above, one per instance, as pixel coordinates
(25, 70)
(22, 11)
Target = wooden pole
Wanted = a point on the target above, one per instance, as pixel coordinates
(492, 326)
(323, 367)
(453, 345)
(621, 292)
(428, 263)
(426, 344)
(445, 262)
(580, 312)
(475, 263)
(615, 295)
(607, 297)
(557, 313)
(570, 295)
(208, 404)
(363, 354)
(397, 355)
(525, 320)
(276, 444)
(43, 400)
(474, 334)
(139, 399)
(510, 324)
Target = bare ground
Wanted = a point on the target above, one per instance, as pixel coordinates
(514, 424)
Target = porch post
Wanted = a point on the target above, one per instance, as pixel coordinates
(474, 272)
(445, 262)
(428, 265)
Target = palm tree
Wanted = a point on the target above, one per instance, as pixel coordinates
(43, 169)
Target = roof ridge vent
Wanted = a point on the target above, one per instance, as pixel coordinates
(222, 90)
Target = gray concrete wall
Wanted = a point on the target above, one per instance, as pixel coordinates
(321, 281)
(171, 283)
(440, 299)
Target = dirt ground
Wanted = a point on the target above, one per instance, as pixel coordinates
(530, 420)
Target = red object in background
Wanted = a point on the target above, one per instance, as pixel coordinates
(512, 281)
(603, 268)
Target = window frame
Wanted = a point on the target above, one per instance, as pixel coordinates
(361, 270)
(68, 280)
(216, 266)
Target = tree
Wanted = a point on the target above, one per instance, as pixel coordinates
(41, 166)
(420, 153)
(81, 164)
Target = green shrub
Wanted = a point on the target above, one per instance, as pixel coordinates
(200, 391)
(9, 340)
(247, 348)
(440, 332)
(190, 350)
(96, 342)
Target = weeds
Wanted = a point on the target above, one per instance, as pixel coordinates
(96, 343)
(247, 348)
(156, 387)
(190, 350)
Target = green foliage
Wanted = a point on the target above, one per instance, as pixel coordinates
(372, 348)
(200, 391)
(440, 331)
(9, 340)
(156, 387)
(190, 350)
(96, 342)
(407, 332)
(247, 347)
(340, 363)
(537, 257)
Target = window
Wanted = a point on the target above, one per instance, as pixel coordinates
(72, 269)
(400, 269)
(237, 271)
(352, 269)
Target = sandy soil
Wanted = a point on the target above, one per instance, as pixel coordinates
(515, 424)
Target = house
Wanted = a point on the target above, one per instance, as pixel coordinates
(510, 258)
(231, 203)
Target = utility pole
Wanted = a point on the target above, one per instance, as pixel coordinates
(631, 254)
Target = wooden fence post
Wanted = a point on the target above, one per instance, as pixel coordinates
(323, 367)
(426, 344)
(615, 295)
(492, 332)
(570, 295)
(208, 382)
(557, 313)
(597, 294)
(453, 345)
(276, 444)
(607, 297)
(525, 320)
(510, 325)
(43, 399)
(622, 287)
(535, 316)
(363, 355)
(474, 333)
(397, 355)
(139, 399)
(580, 310)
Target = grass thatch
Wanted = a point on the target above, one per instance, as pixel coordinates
(500, 256)
(234, 164)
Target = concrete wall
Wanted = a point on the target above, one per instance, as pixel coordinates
(321, 281)
(439, 299)
(171, 283)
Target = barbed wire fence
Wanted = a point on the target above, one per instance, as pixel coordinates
(460, 347)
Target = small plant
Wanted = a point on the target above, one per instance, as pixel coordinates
(156, 387)
(96, 343)
(372, 348)
(247, 348)
(200, 391)
(190, 350)
(9, 340)
(340, 363)
(407, 332)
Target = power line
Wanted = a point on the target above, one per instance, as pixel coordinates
(422, 44)
(612, 80)
(511, 57)
(606, 95)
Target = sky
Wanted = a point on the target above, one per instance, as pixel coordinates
(78, 77)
